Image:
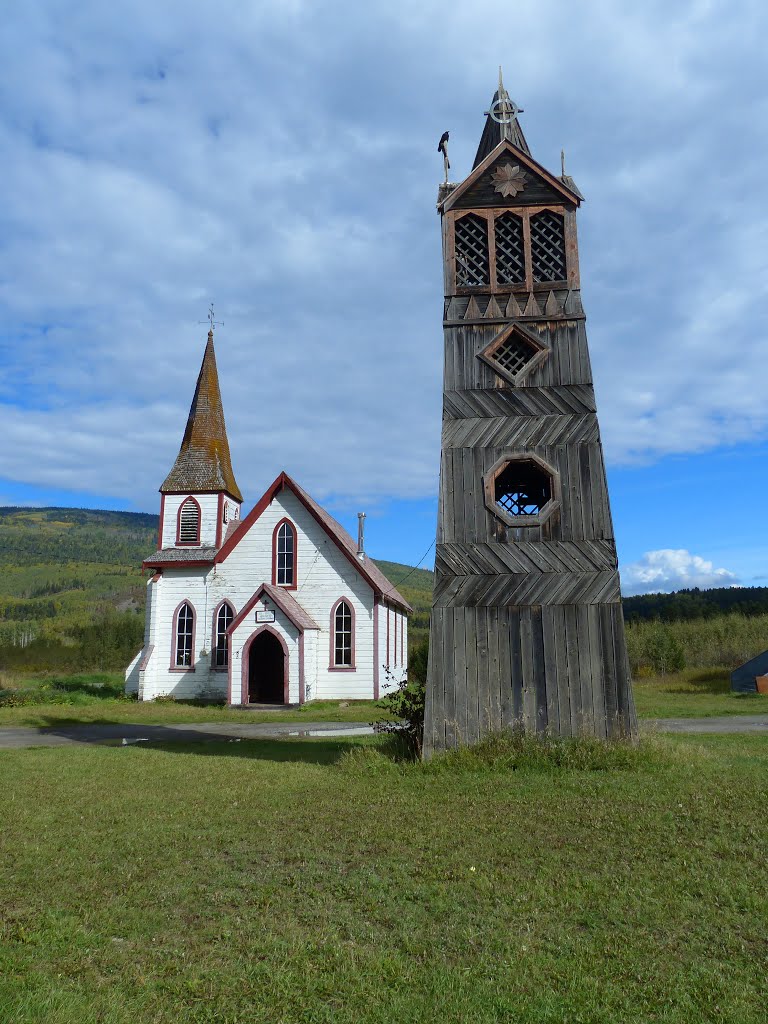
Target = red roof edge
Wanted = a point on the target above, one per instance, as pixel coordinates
(150, 563)
(281, 481)
(281, 603)
(245, 524)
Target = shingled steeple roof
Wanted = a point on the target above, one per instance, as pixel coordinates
(507, 128)
(203, 464)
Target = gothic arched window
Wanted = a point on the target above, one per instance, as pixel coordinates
(284, 555)
(184, 636)
(188, 522)
(342, 635)
(223, 619)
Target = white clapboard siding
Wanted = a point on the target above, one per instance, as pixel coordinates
(324, 575)
(209, 518)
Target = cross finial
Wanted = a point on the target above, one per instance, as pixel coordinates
(503, 110)
(211, 320)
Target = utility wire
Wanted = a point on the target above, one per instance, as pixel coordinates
(408, 574)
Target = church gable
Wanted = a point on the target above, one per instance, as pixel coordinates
(509, 178)
(319, 568)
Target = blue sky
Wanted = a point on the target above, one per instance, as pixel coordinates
(280, 159)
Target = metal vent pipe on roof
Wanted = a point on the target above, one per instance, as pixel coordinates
(361, 536)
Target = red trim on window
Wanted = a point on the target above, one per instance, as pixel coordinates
(162, 521)
(215, 633)
(332, 646)
(188, 543)
(277, 485)
(219, 519)
(286, 586)
(174, 638)
(376, 649)
(244, 662)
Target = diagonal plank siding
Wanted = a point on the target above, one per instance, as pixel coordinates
(527, 629)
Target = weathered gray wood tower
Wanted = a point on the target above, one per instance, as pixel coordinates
(527, 629)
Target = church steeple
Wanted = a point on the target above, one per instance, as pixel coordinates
(501, 123)
(203, 465)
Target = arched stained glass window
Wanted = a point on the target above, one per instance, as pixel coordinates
(343, 630)
(185, 633)
(224, 618)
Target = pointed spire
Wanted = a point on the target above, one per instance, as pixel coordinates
(501, 123)
(203, 464)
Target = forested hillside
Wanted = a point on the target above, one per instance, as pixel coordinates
(697, 604)
(72, 597)
(72, 592)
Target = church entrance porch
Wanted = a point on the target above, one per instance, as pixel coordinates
(267, 681)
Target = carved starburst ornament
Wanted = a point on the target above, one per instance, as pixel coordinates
(508, 180)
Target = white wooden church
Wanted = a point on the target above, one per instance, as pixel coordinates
(281, 606)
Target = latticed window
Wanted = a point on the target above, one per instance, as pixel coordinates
(189, 523)
(224, 619)
(471, 238)
(342, 635)
(510, 249)
(547, 247)
(513, 353)
(285, 555)
(185, 627)
(522, 489)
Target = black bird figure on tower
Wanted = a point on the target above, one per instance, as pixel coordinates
(442, 147)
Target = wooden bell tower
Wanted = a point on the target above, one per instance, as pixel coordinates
(527, 629)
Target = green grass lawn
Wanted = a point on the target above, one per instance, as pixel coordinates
(293, 883)
(694, 693)
(97, 698)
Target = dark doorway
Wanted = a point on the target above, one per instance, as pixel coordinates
(266, 670)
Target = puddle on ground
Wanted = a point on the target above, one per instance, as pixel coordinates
(129, 741)
(363, 730)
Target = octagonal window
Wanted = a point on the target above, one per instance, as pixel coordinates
(522, 490)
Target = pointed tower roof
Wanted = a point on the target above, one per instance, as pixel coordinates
(203, 464)
(507, 127)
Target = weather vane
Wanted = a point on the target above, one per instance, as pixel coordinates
(211, 321)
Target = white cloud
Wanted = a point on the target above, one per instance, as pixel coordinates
(672, 569)
(281, 159)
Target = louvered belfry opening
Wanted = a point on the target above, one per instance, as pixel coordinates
(472, 267)
(189, 522)
(548, 247)
(510, 249)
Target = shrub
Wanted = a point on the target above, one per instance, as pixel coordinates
(406, 703)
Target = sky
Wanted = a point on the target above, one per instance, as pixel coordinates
(279, 159)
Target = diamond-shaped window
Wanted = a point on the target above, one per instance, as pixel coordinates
(522, 490)
(514, 353)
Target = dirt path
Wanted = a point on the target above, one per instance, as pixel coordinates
(125, 735)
